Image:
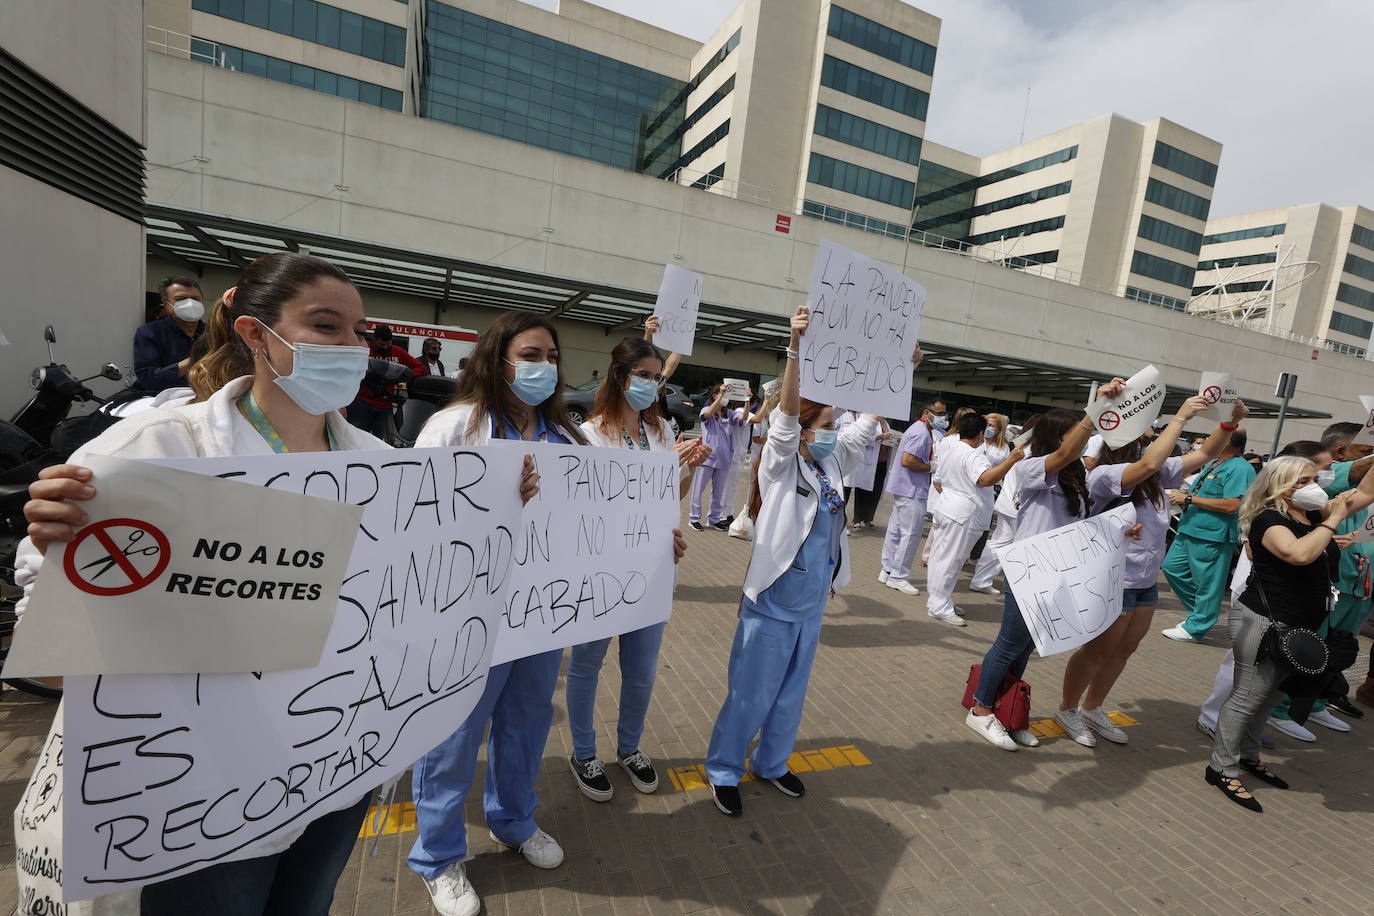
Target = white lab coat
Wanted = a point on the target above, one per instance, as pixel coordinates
(453, 426)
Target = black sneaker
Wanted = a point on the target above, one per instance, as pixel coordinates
(728, 800)
(789, 784)
(730, 519)
(641, 771)
(591, 779)
(696, 525)
(722, 525)
(1344, 705)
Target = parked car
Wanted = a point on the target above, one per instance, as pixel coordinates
(682, 415)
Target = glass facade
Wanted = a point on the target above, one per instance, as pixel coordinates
(316, 22)
(1171, 272)
(488, 76)
(1185, 164)
(1264, 257)
(831, 214)
(692, 119)
(1238, 235)
(697, 151)
(881, 40)
(1359, 267)
(1347, 349)
(1012, 232)
(1353, 295)
(679, 102)
(1249, 286)
(1177, 199)
(1363, 237)
(1164, 302)
(872, 87)
(1348, 324)
(869, 135)
(854, 179)
(995, 206)
(1157, 230)
(944, 197)
(284, 71)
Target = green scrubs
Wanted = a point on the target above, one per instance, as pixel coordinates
(1199, 561)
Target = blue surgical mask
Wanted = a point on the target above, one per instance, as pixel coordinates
(641, 393)
(534, 382)
(940, 422)
(823, 444)
(990, 432)
(324, 377)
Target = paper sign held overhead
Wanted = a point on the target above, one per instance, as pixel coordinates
(1365, 533)
(1126, 418)
(1367, 434)
(737, 390)
(1219, 388)
(1068, 582)
(865, 319)
(165, 580)
(1023, 438)
(679, 299)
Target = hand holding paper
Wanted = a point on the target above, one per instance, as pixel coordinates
(1123, 411)
(1219, 389)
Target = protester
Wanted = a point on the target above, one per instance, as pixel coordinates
(1199, 561)
(1145, 471)
(512, 389)
(718, 424)
(372, 407)
(624, 415)
(741, 442)
(866, 499)
(429, 356)
(1054, 492)
(909, 483)
(462, 367)
(1004, 528)
(964, 512)
(1290, 525)
(257, 398)
(162, 347)
(743, 525)
(800, 553)
(942, 445)
(862, 478)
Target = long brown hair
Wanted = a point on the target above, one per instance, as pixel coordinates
(484, 385)
(1046, 438)
(809, 413)
(611, 395)
(264, 286)
(1152, 488)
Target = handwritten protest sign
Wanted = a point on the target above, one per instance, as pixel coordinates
(1365, 533)
(865, 318)
(1367, 434)
(164, 581)
(736, 389)
(1068, 582)
(593, 556)
(1126, 418)
(679, 299)
(169, 773)
(1219, 388)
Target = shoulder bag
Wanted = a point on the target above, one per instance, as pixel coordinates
(1295, 649)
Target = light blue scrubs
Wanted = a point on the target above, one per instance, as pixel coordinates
(770, 662)
(518, 702)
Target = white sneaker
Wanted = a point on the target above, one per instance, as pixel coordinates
(882, 577)
(540, 850)
(1024, 738)
(1101, 723)
(1072, 722)
(1208, 729)
(984, 589)
(1291, 729)
(1178, 634)
(953, 620)
(903, 586)
(453, 894)
(990, 729)
(1324, 717)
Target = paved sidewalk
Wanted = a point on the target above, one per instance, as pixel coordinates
(907, 811)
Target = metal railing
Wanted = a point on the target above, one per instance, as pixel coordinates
(716, 184)
(176, 44)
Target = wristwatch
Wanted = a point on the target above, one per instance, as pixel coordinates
(1187, 500)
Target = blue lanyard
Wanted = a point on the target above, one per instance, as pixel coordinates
(254, 414)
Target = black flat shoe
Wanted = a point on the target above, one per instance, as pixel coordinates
(1264, 773)
(1233, 789)
(1343, 704)
(728, 800)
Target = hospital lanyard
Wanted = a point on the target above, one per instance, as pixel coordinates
(253, 412)
(541, 431)
(828, 492)
(643, 437)
(1203, 475)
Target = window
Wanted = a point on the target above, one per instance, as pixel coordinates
(1359, 267)
(284, 71)
(1347, 349)
(1353, 295)
(865, 134)
(1166, 195)
(854, 179)
(687, 158)
(316, 22)
(1012, 232)
(853, 220)
(1171, 272)
(1350, 325)
(1185, 164)
(674, 139)
(996, 206)
(1249, 286)
(1156, 230)
(1264, 257)
(1167, 302)
(1238, 235)
(871, 87)
(881, 40)
(942, 188)
(1363, 237)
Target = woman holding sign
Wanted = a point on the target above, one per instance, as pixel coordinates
(1054, 492)
(1146, 472)
(286, 353)
(799, 554)
(624, 415)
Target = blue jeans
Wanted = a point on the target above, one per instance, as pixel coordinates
(1009, 653)
(638, 671)
(299, 881)
(368, 418)
(770, 665)
(518, 701)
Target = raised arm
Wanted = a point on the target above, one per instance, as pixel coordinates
(671, 363)
(1077, 436)
(1216, 443)
(1000, 470)
(1159, 451)
(1300, 551)
(790, 402)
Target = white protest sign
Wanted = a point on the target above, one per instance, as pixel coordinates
(771, 386)
(166, 580)
(594, 551)
(865, 318)
(1365, 533)
(679, 299)
(1023, 438)
(1126, 418)
(736, 389)
(1219, 388)
(1367, 434)
(170, 773)
(1068, 582)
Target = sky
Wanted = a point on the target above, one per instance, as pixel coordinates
(1284, 87)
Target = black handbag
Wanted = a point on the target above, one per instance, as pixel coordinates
(1295, 649)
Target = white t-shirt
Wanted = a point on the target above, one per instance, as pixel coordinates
(937, 455)
(1094, 447)
(962, 500)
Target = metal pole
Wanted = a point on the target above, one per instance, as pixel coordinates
(1278, 427)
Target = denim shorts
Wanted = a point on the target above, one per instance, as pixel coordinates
(1139, 597)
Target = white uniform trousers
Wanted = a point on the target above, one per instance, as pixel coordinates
(904, 526)
(951, 543)
(988, 564)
